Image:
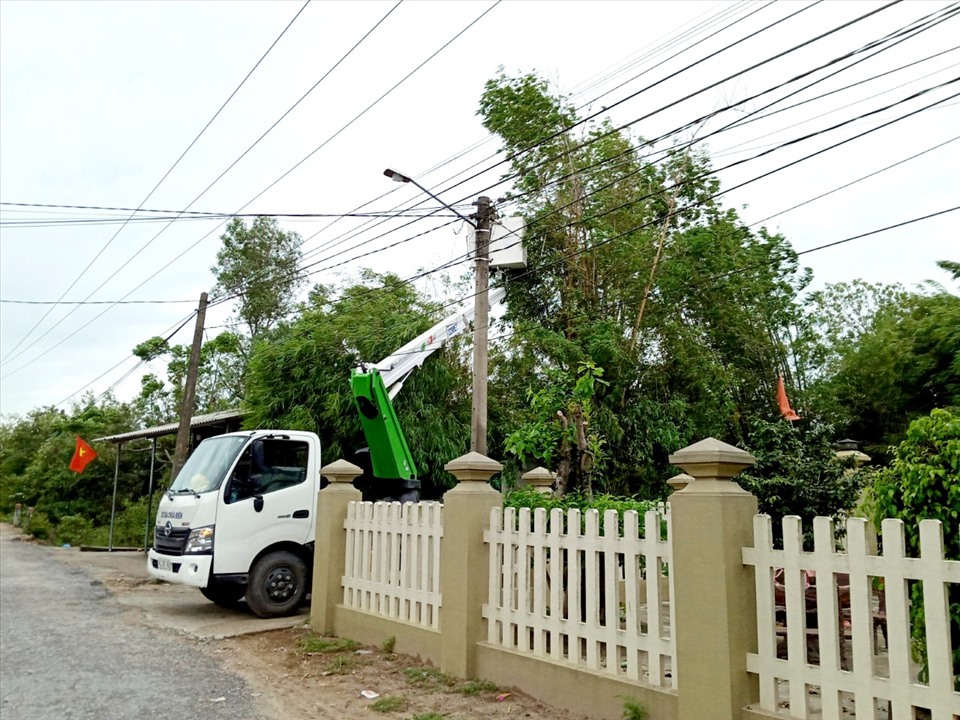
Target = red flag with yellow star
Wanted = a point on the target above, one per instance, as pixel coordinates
(81, 456)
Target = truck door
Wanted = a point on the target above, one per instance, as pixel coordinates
(268, 498)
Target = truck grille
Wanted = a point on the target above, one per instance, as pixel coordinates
(172, 544)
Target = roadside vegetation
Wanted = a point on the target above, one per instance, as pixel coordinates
(650, 316)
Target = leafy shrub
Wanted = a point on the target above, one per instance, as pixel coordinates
(129, 524)
(74, 529)
(922, 483)
(528, 497)
(39, 526)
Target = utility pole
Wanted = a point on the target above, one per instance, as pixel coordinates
(478, 426)
(189, 391)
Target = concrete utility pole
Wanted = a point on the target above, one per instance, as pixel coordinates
(189, 391)
(478, 426)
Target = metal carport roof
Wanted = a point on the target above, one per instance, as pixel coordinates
(213, 418)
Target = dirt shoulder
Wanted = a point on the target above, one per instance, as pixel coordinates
(301, 675)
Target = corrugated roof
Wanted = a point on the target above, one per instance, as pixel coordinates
(171, 428)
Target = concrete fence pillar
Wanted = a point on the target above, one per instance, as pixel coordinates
(330, 548)
(464, 561)
(541, 479)
(715, 606)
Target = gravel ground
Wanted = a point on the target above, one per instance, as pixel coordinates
(66, 652)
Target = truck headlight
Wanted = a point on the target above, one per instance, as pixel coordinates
(200, 540)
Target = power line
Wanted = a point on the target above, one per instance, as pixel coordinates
(357, 117)
(620, 179)
(96, 302)
(160, 182)
(168, 337)
(650, 114)
(854, 182)
(679, 212)
(219, 177)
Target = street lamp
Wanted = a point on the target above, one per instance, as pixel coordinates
(484, 221)
(399, 177)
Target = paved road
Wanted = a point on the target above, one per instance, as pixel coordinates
(67, 652)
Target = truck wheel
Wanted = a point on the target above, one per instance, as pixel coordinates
(223, 594)
(277, 584)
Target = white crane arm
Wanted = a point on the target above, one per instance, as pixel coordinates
(395, 368)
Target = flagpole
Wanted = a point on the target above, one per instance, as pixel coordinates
(113, 507)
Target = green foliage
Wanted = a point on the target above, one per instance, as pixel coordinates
(219, 377)
(260, 265)
(343, 665)
(476, 687)
(299, 374)
(922, 483)
(318, 644)
(635, 269)
(797, 472)
(130, 523)
(550, 431)
(389, 644)
(388, 704)
(74, 530)
(39, 526)
(632, 710)
(35, 453)
(528, 497)
(429, 677)
(429, 716)
(882, 357)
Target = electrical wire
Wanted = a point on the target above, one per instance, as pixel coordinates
(357, 117)
(620, 179)
(233, 164)
(162, 179)
(702, 118)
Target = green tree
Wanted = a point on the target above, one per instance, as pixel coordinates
(797, 473)
(887, 357)
(259, 265)
(219, 377)
(35, 457)
(923, 482)
(635, 268)
(299, 374)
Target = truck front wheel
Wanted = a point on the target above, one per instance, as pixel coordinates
(278, 583)
(223, 594)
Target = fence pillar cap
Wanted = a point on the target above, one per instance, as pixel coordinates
(341, 471)
(679, 481)
(473, 467)
(540, 478)
(712, 459)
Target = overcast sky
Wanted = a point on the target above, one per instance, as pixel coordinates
(97, 101)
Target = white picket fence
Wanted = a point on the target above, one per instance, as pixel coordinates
(847, 646)
(569, 594)
(392, 563)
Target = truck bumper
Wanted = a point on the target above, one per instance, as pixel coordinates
(191, 570)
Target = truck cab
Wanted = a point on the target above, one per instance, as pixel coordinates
(240, 520)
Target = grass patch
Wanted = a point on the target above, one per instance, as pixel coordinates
(428, 677)
(343, 665)
(429, 716)
(318, 644)
(475, 687)
(633, 710)
(388, 704)
(389, 644)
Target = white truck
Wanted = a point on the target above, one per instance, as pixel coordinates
(239, 521)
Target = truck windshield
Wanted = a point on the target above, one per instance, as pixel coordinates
(205, 469)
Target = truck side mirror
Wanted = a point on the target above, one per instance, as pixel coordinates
(258, 503)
